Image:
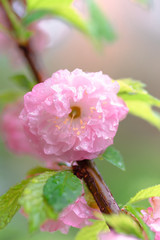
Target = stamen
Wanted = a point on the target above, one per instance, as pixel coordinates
(75, 113)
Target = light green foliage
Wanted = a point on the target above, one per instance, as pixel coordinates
(35, 15)
(114, 157)
(139, 101)
(33, 202)
(22, 81)
(38, 170)
(147, 230)
(91, 232)
(99, 25)
(9, 204)
(123, 223)
(145, 194)
(62, 9)
(62, 189)
(50, 4)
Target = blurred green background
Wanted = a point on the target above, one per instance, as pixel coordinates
(135, 54)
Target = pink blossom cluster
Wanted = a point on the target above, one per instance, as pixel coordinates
(72, 115)
(76, 215)
(151, 216)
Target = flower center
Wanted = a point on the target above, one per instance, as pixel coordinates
(75, 113)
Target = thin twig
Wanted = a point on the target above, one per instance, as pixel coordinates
(28, 53)
(33, 62)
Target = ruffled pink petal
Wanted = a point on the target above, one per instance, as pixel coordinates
(47, 115)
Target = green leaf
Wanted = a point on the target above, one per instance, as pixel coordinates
(145, 194)
(49, 4)
(60, 9)
(91, 232)
(123, 223)
(33, 202)
(9, 96)
(139, 101)
(99, 25)
(131, 86)
(62, 189)
(22, 81)
(35, 15)
(114, 157)
(9, 204)
(38, 170)
(147, 230)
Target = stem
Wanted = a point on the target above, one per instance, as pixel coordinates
(33, 62)
(87, 170)
(24, 46)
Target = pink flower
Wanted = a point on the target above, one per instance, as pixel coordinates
(73, 115)
(151, 216)
(115, 236)
(76, 215)
(12, 129)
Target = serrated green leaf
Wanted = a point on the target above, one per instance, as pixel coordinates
(122, 223)
(91, 232)
(114, 157)
(9, 96)
(33, 202)
(139, 101)
(22, 81)
(145, 194)
(147, 230)
(38, 170)
(9, 204)
(99, 25)
(62, 189)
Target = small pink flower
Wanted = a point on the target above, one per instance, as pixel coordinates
(76, 215)
(12, 129)
(115, 236)
(151, 216)
(73, 115)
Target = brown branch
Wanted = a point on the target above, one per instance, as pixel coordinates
(28, 53)
(33, 62)
(87, 170)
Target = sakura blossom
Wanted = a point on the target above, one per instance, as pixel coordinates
(76, 215)
(115, 236)
(151, 216)
(73, 115)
